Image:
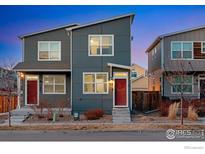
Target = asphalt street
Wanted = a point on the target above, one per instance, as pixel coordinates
(88, 136)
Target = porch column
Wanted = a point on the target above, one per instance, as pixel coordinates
(18, 91)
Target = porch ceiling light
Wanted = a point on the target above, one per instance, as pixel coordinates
(21, 75)
(111, 81)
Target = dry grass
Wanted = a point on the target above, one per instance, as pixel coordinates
(192, 113)
(172, 115)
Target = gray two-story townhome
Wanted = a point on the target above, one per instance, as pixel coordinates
(176, 64)
(88, 65)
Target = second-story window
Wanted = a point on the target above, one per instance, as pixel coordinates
(101, 45)
(134, 74)
(49, 50)
(181, 50)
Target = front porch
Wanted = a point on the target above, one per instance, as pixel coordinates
(44, 89)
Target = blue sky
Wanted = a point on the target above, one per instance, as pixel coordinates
(149, 22)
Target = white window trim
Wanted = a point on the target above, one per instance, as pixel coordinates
(49, 42)
(202, 47)
(95, 73)
(200, 77)
(172, 92)
(54, 93)
(181, 42)
(89, 36)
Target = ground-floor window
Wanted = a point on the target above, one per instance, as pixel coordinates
(54, 84)
(182, 83)
(95, 83)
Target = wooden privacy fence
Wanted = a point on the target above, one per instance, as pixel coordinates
(145, 100)
(4, 104)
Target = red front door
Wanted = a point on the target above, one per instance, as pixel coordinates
(32, 92)
(120, 92)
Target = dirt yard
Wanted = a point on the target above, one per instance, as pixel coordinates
(156, 118)
(68, 119)
(103, 127)
(3, 117)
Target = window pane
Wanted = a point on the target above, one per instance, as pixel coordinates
(106, 40)
(187, 54)
(43, 55)
(89, 78)
(54, 46)
(48, 79)
(59, 88)
(203, 46)
(89, 87)
(176, 88)
(134, 74)
(177, 79)
(176, 54)
(54, 55)
(59, 79)
(48, 89)
(176, 46)
(94, 45)
(101, 78)
(187, 46)
(101, 87)
(43, 46)
(95, 50)
(187, 88)
(107, 50)
(187, 79)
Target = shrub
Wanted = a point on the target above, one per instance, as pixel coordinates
(99, 112)
(49, 112)
(192, 113)
(94, 114)
(173, 111)
(61, 106)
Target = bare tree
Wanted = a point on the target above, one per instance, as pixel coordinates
(179, 75)
(8, 81)
(177, 71)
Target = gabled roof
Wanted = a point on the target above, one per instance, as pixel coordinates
(47, 30)
(104, 20)
(133, 65)
(139, 77)
(158, 39)
(76, 25)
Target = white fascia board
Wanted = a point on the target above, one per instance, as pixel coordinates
(119, 66)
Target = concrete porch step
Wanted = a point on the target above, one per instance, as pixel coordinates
(121, 115)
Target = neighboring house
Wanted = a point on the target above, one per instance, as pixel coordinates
(8, 80)
(139, 78)
(88, 65)
(181, 55)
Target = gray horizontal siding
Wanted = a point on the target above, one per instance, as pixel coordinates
(31, 49)
(52, 99)
(171, 65)
(154, 62)
(167, 91)
(83, 63)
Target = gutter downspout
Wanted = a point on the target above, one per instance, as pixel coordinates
(71, 74)
(162, 66)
